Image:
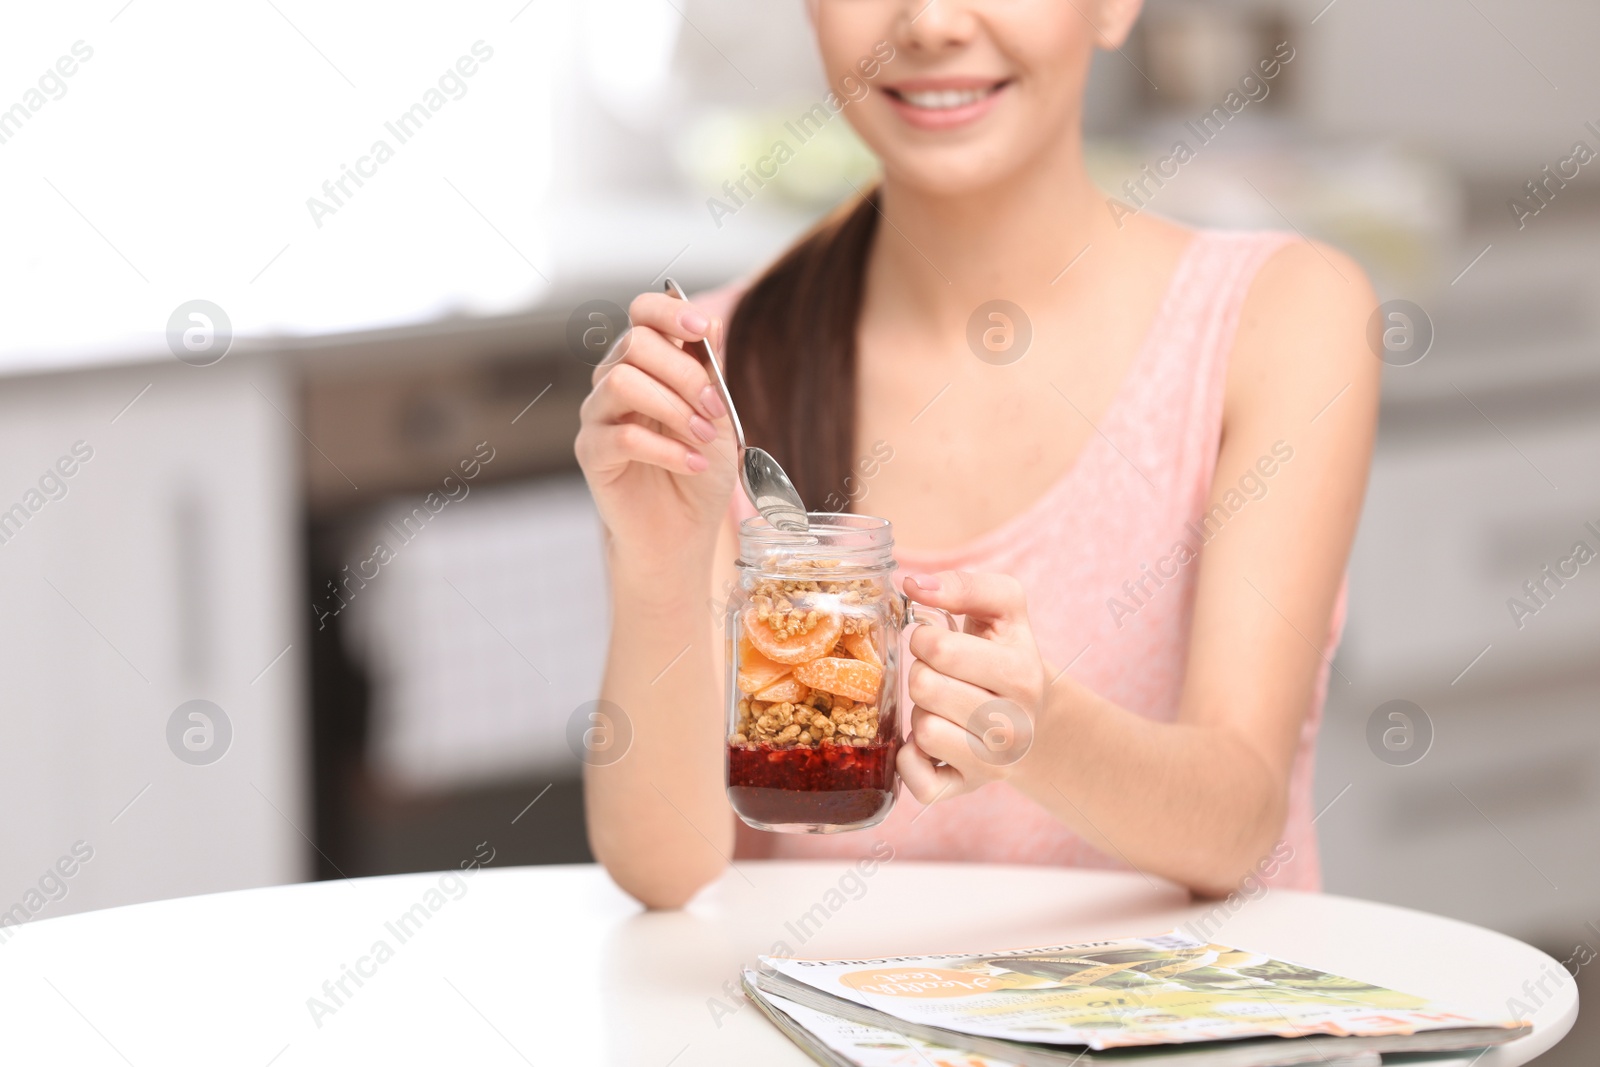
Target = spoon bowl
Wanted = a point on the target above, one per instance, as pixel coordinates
(771, 491)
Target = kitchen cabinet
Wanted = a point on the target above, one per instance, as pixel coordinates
(1485, 475)
(151, 576)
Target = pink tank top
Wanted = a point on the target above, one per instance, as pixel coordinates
(1074, 549)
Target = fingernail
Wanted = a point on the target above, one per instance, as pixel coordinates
(702, 429)
(696, 462)
(694, 322)
(924, 581)
(712, 403)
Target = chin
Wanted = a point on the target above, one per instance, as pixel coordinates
(964, 166)
(946, 174)
(987, 150)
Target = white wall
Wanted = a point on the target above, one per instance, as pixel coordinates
(1463, 78)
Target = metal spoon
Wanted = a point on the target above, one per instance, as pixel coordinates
(768, 488)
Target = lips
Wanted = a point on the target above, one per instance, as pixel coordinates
(944, 103)
(945, 99)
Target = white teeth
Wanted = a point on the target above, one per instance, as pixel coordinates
(945, 99)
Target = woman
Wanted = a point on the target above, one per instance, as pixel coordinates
(1144, 519)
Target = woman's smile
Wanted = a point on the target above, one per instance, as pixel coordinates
(945, 103)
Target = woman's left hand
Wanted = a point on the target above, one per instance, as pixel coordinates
(978, 696)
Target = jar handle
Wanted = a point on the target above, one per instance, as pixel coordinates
(914, 611)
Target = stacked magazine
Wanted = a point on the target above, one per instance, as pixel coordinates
(1167, 1001)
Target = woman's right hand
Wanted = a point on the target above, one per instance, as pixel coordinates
(654, 442)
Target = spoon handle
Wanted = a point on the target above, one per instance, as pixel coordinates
(702, 348)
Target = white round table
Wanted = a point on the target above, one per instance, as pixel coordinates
(546, 965)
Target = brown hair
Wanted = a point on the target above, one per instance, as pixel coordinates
(792, 354)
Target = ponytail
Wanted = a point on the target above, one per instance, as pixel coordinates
(791, 347)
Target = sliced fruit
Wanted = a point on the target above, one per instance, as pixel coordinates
(797, 648)
(861, 647)
(757, 672)
(851, 678)
(787, 688)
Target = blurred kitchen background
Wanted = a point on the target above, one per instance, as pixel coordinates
(375, 712)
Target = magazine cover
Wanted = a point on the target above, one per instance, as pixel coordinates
(839, 1042)
(866, 1046)
(1129, 992)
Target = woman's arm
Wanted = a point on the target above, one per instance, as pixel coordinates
(658, 817)
(656, 448)
(1202, 799)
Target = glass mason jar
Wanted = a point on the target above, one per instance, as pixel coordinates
(813, 676)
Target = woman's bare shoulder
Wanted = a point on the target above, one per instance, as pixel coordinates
(1307, 279)
(1157, 243)
(1302, 333)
